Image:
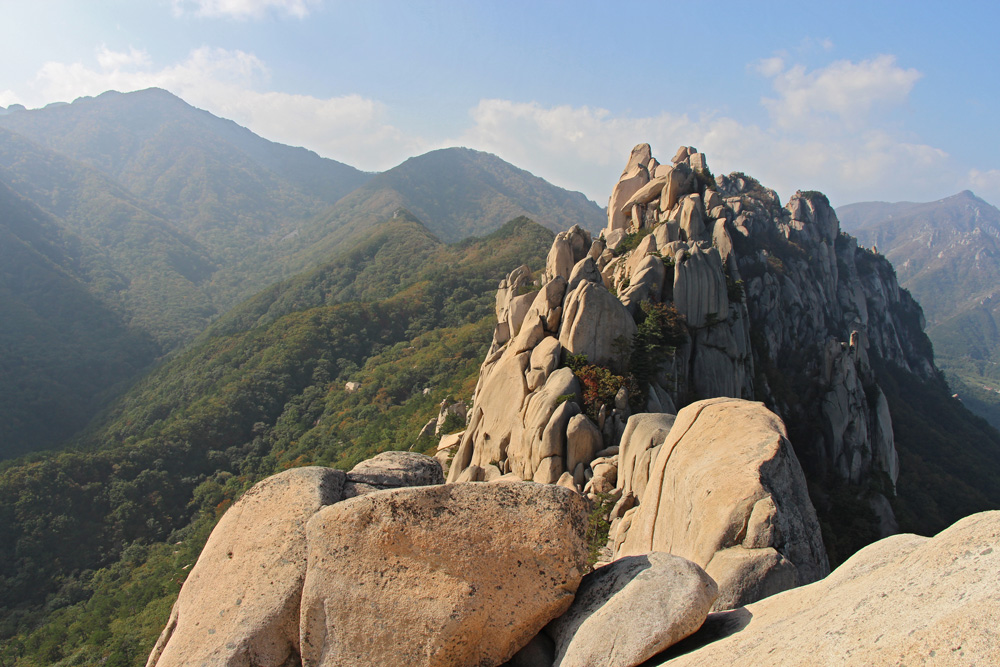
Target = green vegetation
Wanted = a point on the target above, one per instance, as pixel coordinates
(63, 351)
(660, 330)
(631, 241)
(452, 424)
(88, 567)
(705, 179)
(598, 526)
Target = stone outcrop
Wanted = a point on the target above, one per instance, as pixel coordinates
(455, 410)
(726, 492)
(737, 261)
(640, 444)
(392, 470)
(593, 321)
(398, 578)
(629, 611)
(903, 600)
(240, 603)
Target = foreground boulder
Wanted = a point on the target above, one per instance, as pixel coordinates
(902, 600)
(462, 574)
(628, 611)
(240, 604)
(726, 492)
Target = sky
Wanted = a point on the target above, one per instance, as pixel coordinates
(875, 100)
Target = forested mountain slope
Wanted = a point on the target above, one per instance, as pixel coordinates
(179, 214)
(261, 391)
(63, 351)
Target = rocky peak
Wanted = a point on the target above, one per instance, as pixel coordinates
(699, 287)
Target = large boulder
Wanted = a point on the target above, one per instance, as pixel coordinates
(900, 601)
(539, 431)
(392, 470)
(700, 291)
(496, 410)
(594, 320)
(628, 611)
(644, 433)
(727, 492)
(559, 262)
(240, 604)
(461, 574)
(631, 181)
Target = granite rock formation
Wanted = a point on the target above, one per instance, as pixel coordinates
(753, 300)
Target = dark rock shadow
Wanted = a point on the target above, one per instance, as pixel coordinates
(717, 626)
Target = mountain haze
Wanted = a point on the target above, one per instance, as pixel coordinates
(162, 148)
(155, 274)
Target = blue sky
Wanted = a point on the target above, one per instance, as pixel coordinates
(861, 100)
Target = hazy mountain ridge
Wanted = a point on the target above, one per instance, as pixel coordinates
(177, 214)
(937, 247)
(154, 273)
(456, 192)
(114, 132)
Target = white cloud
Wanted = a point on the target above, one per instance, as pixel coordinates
(232, 84)
(574, 147)
(112, 60)
(243, 9)
(986, 184)
(851, 157)
(8, 97)
(586, 148)
(770, 66)
(844, 91)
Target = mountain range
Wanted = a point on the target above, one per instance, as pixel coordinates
(175, 215)
(947, 253)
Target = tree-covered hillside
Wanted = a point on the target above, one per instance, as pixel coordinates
(175, 215)
(461, 192)
(63, 351)
(98, 537)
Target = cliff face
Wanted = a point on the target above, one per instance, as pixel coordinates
(699, 287)
(819, 307)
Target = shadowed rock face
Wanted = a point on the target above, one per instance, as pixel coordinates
(903, 600)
